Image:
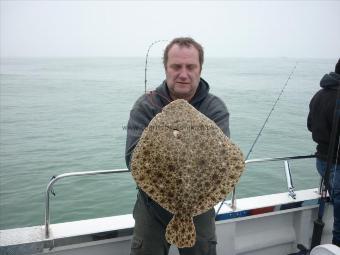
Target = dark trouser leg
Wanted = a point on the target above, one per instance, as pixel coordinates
(336, 204)
(336, 226)
(205, 235)
(335, 194)
(149, 232)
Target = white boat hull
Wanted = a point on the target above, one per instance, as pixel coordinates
(270, 224)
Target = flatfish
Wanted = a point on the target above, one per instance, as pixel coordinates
(185, 163)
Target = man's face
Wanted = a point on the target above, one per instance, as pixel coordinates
(182, 72)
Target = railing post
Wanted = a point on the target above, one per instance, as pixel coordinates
(291, 189)
(47, 215)
(233, 199)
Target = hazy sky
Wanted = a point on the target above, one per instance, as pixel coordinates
(127, 28)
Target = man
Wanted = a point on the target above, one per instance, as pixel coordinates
(320, 123)
(183, 59)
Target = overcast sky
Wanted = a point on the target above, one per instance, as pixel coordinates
(126, 28)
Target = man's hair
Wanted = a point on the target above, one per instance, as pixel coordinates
(184, 42)
(337, 67)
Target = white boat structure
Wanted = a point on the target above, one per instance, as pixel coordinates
(275, 224)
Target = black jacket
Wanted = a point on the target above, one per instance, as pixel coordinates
(148, 105)
(320, 117)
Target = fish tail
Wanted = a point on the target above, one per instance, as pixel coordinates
(181, 231)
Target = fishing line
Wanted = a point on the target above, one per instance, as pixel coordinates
(152, 93)
(271, 111)
(264, 124)
(146, 61)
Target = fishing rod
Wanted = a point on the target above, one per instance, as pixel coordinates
(146, 61)
(263, 126)
(325, 183)
(273, 107)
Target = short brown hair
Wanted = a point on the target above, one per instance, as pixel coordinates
(184, 42)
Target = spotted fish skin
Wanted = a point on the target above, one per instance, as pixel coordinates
(181, 231)
(186, 164)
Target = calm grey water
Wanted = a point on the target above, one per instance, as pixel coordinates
(63, 115)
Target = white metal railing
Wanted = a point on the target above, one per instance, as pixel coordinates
(287, 172)
(61, 176)
(100, 172)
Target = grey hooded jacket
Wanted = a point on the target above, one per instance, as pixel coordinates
(148, 105)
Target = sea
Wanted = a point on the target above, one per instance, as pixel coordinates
(60, 115)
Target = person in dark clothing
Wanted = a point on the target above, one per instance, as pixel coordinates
(183, 60)
(320, 123)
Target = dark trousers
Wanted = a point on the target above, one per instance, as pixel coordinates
(335, 195)
(150, 224)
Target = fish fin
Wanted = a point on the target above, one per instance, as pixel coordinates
(181, 231)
